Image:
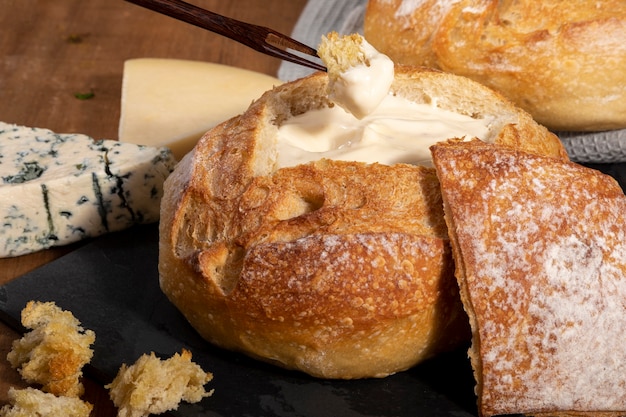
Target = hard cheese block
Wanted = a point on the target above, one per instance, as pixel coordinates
(168, 102)
(57, 189)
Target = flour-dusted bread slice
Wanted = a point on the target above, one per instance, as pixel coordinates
(540, 251)
(336, 268)
(562, 61)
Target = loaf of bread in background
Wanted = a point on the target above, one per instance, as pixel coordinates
(541, 262)
(563, 61)
(339, 269)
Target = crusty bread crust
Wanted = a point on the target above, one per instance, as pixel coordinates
(541, 264)
(562, 61)
(338, 269)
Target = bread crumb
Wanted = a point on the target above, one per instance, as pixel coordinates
(340, 53)
(54, 352)
(30, 402)
(154, 386)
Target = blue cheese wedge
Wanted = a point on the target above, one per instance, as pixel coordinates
(56, 189)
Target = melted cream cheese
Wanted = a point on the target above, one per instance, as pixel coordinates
(397, 131)
(360, 89)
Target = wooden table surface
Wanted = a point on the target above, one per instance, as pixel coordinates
(52, 49)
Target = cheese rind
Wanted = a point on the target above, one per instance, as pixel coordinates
(172, 102)
(56, 189)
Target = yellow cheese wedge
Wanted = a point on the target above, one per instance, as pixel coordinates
(169, 102)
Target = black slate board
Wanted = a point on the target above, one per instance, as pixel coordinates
(111, 286)
(616, 170)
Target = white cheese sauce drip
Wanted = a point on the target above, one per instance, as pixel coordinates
(397, 131)
(360, 89)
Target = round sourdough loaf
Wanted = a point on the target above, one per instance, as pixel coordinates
(338, 269)
(562, 61)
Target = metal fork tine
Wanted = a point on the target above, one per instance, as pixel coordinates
(259, 38)
(281, 41)
(279, 53)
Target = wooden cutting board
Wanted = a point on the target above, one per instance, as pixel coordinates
(52, 51)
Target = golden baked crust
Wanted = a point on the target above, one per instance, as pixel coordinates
(562, 61)
(338, 269)
(541, 263)
(324, 273)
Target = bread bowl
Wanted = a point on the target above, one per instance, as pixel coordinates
(337, 268)
(562, 61)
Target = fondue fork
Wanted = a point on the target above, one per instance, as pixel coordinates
(259, 38)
